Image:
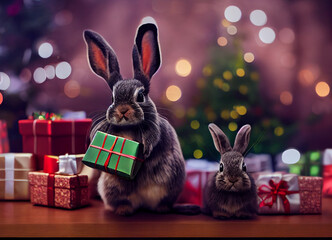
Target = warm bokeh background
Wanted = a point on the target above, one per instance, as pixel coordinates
(288, 56)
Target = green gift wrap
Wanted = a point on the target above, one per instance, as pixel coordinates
(115, 155)
(310, 164)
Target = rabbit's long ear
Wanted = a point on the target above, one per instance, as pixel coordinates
(102, 58)
(220, 140)
(146, 53)
(242, 139)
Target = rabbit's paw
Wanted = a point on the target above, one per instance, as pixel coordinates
(163, 209)
(245, 215)
(124, 210)
(221, 215)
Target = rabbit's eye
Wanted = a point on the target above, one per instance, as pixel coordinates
(244, 167)
(221, 167)
(140, 96)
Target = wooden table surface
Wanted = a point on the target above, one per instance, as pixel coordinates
(22, 219)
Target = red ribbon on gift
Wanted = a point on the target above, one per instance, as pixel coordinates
(271, 193)
(50, 189)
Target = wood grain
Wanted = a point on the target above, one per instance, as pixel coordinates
(21, 219)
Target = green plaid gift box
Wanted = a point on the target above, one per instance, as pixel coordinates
(114, 155)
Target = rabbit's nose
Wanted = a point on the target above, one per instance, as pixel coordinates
(233, 180)
(123, 109)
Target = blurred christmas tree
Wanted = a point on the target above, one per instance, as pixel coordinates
(22, 25)
(229, 96)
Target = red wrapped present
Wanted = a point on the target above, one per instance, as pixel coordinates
(54, 137)
(327, 172)
(197, 173)
(280, 193)
(4, 142)
(54, 190)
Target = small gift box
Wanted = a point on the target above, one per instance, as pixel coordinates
(4, 142)
(14, 168)
(54, 190)
(114, 155)
(280, 193)
(327, 172)
(63, 164)
(197, 173)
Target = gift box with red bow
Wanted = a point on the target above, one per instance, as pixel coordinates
(280, 193)
(55, 190)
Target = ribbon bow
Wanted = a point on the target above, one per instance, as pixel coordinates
(269, 194)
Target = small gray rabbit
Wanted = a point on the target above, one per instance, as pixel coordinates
(133, 115)
(231, 192)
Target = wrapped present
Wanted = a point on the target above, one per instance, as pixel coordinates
(54, 190)
(327, 172)
(289, 193)
(310, 164)
(4, 142)
(114, 155)
(14, 168)
(197, 173)
(63, 164)
(258, 163)
(54, 137)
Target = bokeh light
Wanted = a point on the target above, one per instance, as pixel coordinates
(243, 89)
(198, 154)
(4, 81)
(306, 77)
(286, 98)
(232, 13)
(222, 41)
(194, 124)
(286, 35)
(183, 67)
(63, 70)
(50, 71)
(234, 114)
(225, 114)
(291, 156)
(225, 87)
(45, 50)
(173, 93)
(240, 72)
(258, 17)
(232, 126)
(227, 75)
(72, 89)
(322, 89)
(241, 110)
(225, 23)
(267, 35)
(39, 75)
(1, 98)
(249, 57)
(231, 30)
(278, 131)
(63, 18)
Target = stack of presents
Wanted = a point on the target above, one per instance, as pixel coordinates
(54, 148)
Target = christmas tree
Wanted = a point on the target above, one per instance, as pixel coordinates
(229, 96)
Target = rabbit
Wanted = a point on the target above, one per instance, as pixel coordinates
(133, 115)
(231, 191)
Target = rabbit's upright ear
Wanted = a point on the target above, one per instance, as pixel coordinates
(146, 53)
(242, 139)
(102, 58)
(220, 140)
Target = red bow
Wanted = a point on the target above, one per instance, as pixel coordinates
(272, 192)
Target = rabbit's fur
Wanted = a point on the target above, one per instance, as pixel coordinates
(133, 115)
(231, 192)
